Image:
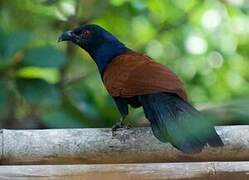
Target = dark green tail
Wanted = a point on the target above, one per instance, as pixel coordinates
(174, 120)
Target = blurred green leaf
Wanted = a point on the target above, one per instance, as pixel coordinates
(16, 41)
(48, 2)
(44, 57)
(10, 44)
(3, 96)
(2, 37)
(162, 29)
(60, 118)
(243, 49)
(75, 109)
(49, 74)
(38, 92)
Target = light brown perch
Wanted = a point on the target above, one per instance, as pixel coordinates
(200, 170)
(136, 145)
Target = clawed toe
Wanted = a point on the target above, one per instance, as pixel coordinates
(120, 125)
(116, 126)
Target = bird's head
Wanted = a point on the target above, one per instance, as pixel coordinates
(99, 43)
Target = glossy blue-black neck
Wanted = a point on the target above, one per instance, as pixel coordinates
(105, 53)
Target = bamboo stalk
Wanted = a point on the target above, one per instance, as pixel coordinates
(200, 170)
(136, 145)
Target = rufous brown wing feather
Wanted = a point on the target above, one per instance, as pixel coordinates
(132, 74)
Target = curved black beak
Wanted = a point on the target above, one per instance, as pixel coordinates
(66, 36)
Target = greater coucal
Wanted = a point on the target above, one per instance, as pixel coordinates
(135, 79)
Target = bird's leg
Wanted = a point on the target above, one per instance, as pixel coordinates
(120, 124)
(117, 125)
(123, 109)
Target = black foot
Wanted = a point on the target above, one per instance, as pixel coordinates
(117, 126)
(120, 125)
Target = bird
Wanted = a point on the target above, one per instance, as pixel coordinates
(136, 80)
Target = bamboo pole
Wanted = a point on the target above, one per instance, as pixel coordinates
(200, 170)
(136, 145)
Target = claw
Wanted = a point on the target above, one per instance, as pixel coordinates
(117, 126)
(120, 125)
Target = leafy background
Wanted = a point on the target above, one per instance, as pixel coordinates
(44, 84)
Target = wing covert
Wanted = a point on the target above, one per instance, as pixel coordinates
(133, 74)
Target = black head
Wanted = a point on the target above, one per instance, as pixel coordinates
(99, 43)
(90, 37)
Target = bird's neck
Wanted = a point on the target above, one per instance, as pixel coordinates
(105, 54)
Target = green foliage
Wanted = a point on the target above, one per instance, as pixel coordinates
(204, 42)
(3, 96)
(38, 92)
(14, 42)
(59, 118)
(10, 44)
(44, 57)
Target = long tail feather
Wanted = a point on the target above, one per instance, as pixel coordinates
(174, 120)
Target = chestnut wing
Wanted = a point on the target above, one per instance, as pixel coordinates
(135, 74)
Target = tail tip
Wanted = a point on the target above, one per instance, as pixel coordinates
(216, 141)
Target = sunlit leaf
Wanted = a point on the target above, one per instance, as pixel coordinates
(49, 74)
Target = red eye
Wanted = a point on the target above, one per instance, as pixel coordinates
(85, 34)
